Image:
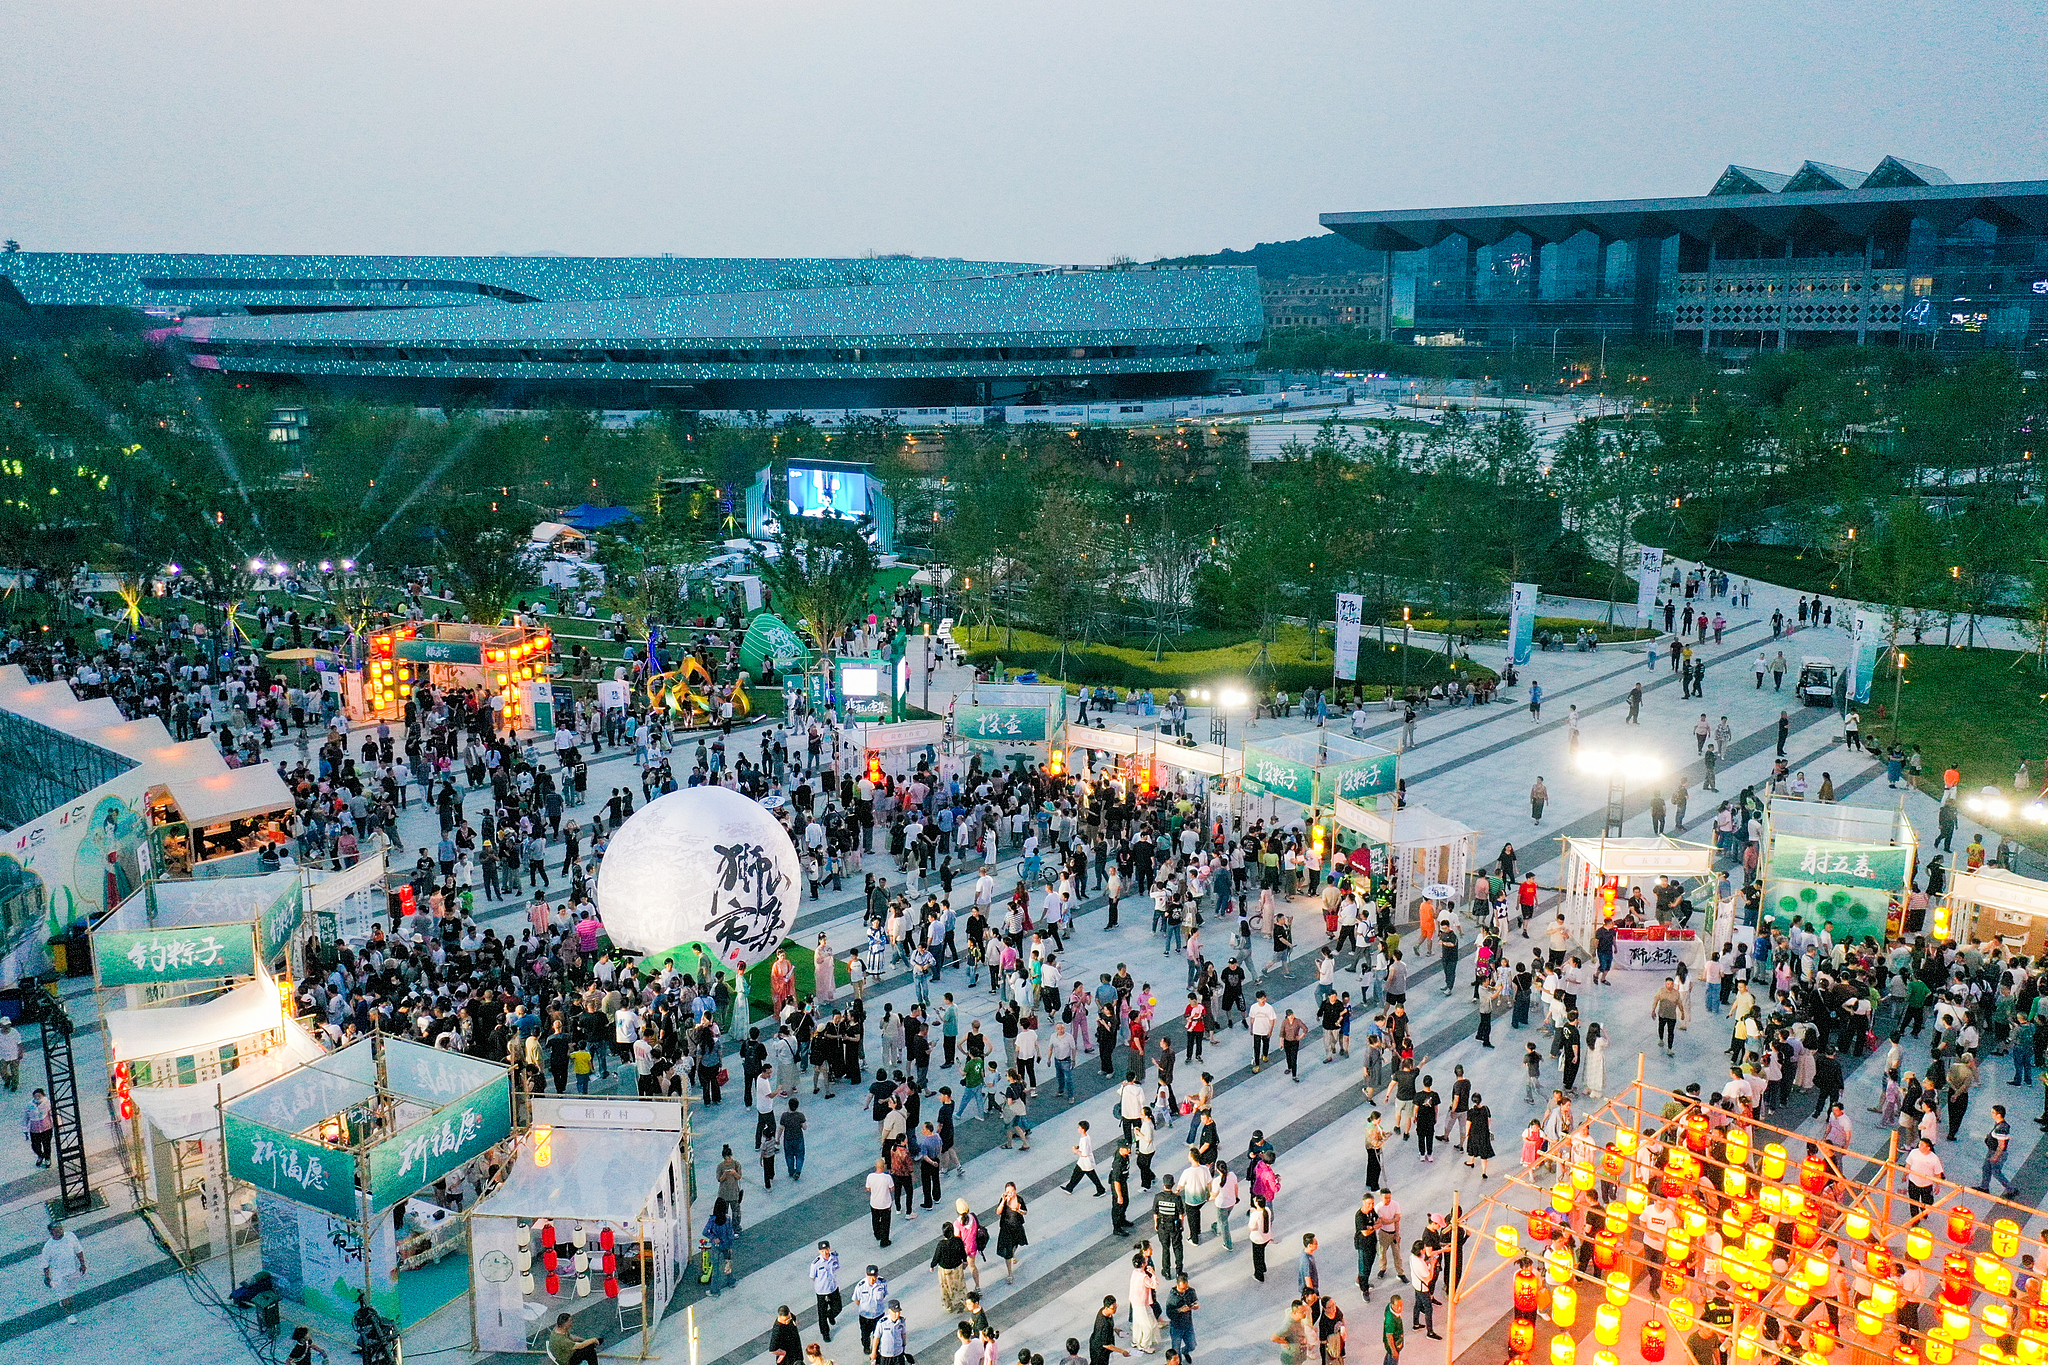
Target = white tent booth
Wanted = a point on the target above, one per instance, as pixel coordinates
(1994, 903)
(1418, 848)
(1594, 868)
(600, 1187)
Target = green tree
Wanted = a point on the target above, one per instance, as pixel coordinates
(485, 556)
(821, 573)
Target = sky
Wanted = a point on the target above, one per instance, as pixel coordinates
(1048, 132)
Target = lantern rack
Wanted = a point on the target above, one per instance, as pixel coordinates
(1790, 1223)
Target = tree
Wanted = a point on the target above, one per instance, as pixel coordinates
(821, 573)
(487, 557)
(1068, 561)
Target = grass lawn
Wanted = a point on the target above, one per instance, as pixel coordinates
(1975, 709)
(1496, 627)
(1116, 666)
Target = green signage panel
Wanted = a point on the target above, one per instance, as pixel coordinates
(1359, 780)
(423, 1152)
(770, 639)
(146, 957)
(440, 651)
(1003, 724)
(1831, 862)
(301, 1171)
(1273, 775)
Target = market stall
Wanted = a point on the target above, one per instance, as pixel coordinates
(359, 1160)
(1601, 874)
(218, 824)
(177, 937)
(1994, 903)
(1849, 866)
(1415, 850)
(593, 1219)
(1011, 723)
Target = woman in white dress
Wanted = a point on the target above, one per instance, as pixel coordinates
(1595, 1080)
(1144, 1293)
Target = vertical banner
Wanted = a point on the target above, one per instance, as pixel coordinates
(1868, 643)
(1521, 621)
(1649, 571)
(1350, 613)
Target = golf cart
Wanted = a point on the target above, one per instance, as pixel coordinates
(1817, 682)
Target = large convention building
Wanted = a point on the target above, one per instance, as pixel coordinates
(1898, 256)
(678, 332)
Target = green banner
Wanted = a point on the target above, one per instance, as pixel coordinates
(770, 639)
(421, 1153)
(1359, 779)
(1831, 862)
(194, 953)
(281, 920)
(1003, 724)
(1272, 775)
(440, 651)
(301, 1171)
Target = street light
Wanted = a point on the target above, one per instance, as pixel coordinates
(1619, 769)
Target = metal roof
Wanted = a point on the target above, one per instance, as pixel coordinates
(1704, 217)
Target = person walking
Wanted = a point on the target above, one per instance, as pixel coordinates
(63, 1262)
(825, 1286)
(1392, 1330)
(39, 1122)
(870, 1300)
(1664, 1009)
(1181, 1306)
(1479, 1135)
(1010, 1235)
(881, 1188)
(1084, 1161)
(892, 1337)
(1539, 795)
(1997, 1143)
(1102, 1333)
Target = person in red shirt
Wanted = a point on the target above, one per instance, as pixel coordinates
(1527, 894)
(1197, 1016)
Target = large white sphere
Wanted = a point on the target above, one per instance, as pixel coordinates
(701, 863)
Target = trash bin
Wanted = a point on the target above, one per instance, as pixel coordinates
(78, 951)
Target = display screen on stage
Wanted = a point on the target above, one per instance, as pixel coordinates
(827, 493)
(860, 682)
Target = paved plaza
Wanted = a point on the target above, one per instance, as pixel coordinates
(1474, 764)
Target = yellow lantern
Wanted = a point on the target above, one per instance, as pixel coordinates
(1625, 1141)
(1564, 1305)
(1794, 1201)
(1774, 1162)
(1772, 1199)
(2005, 1237)
(1735, 1183)
(1557, 1263)
(1616, 1218)
(1682, 1314)
(1997, 1318)
(1582, 1176)
(1816, 1272)
(1638, 1197)
(1823, 1342)
(1617, 1287)
(1606, 1358)
(1607, 1324)
(1856, 1225)
(1990, 1353)
(1737, 1145)
(1745, 1344)
(1984, 1270)
(1507, 1240)
(1757, 1242)
(1795, 1294)
(1731, 1224)
(1867, 1320)
(1919, 1243)
(1884, 1296)
(1940, 1350)
(2033, 1344)
(1955, 1322)
(1563, 1350)
(1696, 1221)
(1562, 1197)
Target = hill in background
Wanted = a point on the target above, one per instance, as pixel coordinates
(1326, 254)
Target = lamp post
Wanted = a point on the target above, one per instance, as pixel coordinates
(1898, 682)
(1619, 769)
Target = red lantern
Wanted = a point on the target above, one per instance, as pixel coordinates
(1813, 1176)
(1605, 1250)
(1542, 1227)
(1962, 1226)
(554, 1283)
(605, 1239)
(1806, 1232)
(547, 1260)
(611, 1286)
(611, 1264)
(1521, 1336)
(1610, 1163)
(1696, 1131)
(547, 1234)
(1527, 1285)
(1955, 1279)
(1653, 1340)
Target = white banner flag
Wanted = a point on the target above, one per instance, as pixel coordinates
(1350, 613)
(1649, 573)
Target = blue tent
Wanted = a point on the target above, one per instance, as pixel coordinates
(584, 517)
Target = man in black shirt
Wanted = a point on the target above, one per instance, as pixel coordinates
(1166, 1224)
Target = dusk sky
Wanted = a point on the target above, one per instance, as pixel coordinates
(1050, 132)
